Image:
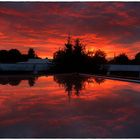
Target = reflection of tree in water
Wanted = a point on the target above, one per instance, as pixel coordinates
(71, 82)
(99, 80)
(31, 81)
(74, 82)
(15, 80)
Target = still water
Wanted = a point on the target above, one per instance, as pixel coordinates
(69, 105)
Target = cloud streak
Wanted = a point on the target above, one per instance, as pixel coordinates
(110, 26)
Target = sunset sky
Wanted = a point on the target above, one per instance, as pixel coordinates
(112, 27)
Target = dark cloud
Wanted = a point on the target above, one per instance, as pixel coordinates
(117, 22)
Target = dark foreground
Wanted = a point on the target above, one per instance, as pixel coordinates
(68, 106)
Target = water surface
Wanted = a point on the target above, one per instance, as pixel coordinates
(68, 106)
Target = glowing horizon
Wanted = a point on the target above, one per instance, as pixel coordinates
(110, 26)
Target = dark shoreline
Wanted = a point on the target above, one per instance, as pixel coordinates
(115, 77)
(30, 74)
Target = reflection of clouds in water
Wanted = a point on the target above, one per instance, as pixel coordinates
(110, 115)
(43, 111)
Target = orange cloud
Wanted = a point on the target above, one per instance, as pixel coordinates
(112, 27)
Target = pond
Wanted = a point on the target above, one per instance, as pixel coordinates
(68, 106)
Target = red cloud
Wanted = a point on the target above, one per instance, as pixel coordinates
(112, 27)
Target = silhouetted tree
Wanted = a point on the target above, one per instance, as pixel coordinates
(14, 56)
(120, 59)
(31, 53)
(68, 46)
(98, 60)
(59, 60)
(79, 48)
(24, 57)
(79, 56)
(99, 57)
(73, 58)
(137, 58)
(63, 58)
(3, 56)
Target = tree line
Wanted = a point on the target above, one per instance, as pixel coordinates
(16, 80)
(14, 55)
(124, 59)
(74, 58)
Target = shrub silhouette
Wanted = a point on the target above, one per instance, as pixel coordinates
(3, 56)
(137, 58)
(98, 60)
(31, 53)
(120, 59)
(14, 56)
